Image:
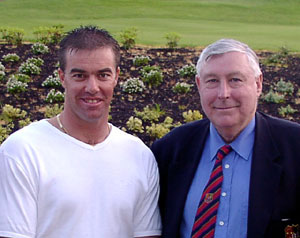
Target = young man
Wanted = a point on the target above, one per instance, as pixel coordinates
(249, 188)
(76, 175)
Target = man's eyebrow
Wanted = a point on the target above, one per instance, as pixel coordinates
(76, 70)
(105, 70)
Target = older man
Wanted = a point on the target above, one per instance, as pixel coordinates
(236, 173)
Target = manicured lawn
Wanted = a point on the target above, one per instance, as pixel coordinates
(263, 24)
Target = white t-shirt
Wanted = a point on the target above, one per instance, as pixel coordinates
(53, 185)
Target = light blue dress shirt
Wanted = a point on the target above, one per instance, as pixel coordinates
(233, 209)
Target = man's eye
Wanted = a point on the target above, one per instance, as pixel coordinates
(235, 80)
(104, 75)
(211, 80)
(78, 76)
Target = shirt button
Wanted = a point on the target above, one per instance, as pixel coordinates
(227, 166)
(221, 223)
(224, 194)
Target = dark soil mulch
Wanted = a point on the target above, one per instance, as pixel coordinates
(123, 104)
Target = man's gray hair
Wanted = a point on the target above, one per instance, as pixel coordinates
(229, 45)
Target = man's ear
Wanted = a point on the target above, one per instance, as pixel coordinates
(117, 75)
(197, 79)
(259, 81)
(61, 75)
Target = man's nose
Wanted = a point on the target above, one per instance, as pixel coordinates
(92, 84)
(224, 90)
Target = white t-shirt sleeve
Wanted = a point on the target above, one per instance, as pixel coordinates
(147, 221)
(17, 199)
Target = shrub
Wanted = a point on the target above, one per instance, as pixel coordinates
(128, 38)
(10, 114)
(181, 87)
(172, 39)
(285, 87)
(133, 85)
(277, 58)
(135, 124)
(12, 36)
(24, 122)
(2, 75)
(54, 110)
(2, 68)
(19, 77)
(150, 113)
(187, 71)
(39, 48)
(152, 75)
(49, 35)
(159, 130)
(192, 115)
(14, 86)
(54, 96)
(11, 57)
(51, 82)
(5, 131)
(141, 60)
(283, 111)
(273, 97)
(31, 66)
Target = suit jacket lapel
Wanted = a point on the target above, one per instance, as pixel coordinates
(264, 180)
(181, 176)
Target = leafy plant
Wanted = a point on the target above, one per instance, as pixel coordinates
(172, 39)
(14, 86)
(128, 38)
(152, 75)
(187, 71)
(5, 131)
(31, 66)
(273, 97)
(39, 48)
(49, 35)
(133, 85)
(284, 111)
(53, 110)
(2, 75)
(2, 67)
(12, 36)
(192, 115)
(24, 78)
(159, 130)
(52, 82)
(54, 96)
(181, 87)
(277, 58)
(135, 124)
(141, 60)
(10, 113)
(24, 122)
(150, 113)
(285, 87)
(11, 57)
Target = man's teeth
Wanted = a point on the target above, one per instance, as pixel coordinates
(92, 101)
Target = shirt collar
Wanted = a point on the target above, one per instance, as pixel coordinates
(242, 145)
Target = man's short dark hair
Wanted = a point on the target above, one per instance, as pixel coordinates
(87, 38)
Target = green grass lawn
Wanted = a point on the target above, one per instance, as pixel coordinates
(263, 24)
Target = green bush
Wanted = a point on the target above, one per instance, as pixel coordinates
(285, 87)
(55, 96)
(49, 35)
(12, 36)
(192, 115)
(10, 113)
(133, 85)
(39, 48)
(172, 39)
(288, 110)
(14, 86)
(187, 71)
(20, 77)
(152, 75)
(150, 113)
(11, 58)
(141, 60)
(135, 124)
(273, 97)
(128, 38)
(52, 82)
(53, 110)
(181, 87)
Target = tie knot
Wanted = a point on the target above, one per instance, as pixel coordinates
(223, 151)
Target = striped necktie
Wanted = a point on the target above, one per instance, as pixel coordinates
(206, 216)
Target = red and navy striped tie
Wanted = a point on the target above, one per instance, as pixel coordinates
(206, 216)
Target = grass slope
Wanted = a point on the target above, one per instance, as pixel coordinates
(264, 24)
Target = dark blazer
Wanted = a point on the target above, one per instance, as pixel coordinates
(274, 196)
